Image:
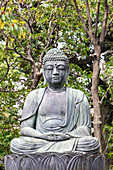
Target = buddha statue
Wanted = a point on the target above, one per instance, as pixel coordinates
(55, 118)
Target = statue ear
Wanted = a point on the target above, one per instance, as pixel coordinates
(66, 81)
(67, 74)
(45, 82)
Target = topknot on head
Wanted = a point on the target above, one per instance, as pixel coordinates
(55, 54)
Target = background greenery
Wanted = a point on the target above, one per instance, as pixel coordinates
(28, 29)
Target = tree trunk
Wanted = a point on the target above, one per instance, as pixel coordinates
(37, 76)
(95, 82)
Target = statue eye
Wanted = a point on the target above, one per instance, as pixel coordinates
(49, 67)
(61, 67)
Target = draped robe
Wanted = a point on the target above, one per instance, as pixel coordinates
(77, 124)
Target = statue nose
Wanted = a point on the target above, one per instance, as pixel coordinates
(55, 71)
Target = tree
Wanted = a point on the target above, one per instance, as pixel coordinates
(97, 38)
(28, 29)
(30, 32)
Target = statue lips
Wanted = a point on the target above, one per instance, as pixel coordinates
(55, 77)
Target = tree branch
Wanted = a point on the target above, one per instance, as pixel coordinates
(6, 71)
(82, 20)
(21, 55)
(82, 62)
(105, 94)
(1, 3)
(57, 35)
(108, 143)
(18, 42)
(21, 16)
(107, 52)
(29, 22)
(108, 26)
(13, 67)
(80, 16)
(6, 63)
(48, 38)
(5, 4)
(104, 22)
(97, 15)
(89, 18)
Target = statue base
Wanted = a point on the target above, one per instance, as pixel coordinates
(55, 161)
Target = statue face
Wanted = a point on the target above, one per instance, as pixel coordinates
(55, 73)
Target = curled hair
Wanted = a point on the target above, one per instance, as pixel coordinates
(55, 54)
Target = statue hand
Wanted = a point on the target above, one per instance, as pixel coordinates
(60, 136)
(55, 136)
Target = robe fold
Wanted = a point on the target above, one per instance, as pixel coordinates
(77, 124)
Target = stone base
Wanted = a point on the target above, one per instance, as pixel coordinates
(55, 161)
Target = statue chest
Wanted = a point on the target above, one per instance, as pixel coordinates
(52, 110)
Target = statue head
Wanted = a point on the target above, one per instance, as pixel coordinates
(56, 68)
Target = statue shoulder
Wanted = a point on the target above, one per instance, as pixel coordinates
(77, 94)
(76, 91)
(32, 102)
(35, 93)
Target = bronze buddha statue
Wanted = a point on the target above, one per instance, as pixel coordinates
(56, 118)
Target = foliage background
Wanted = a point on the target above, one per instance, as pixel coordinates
(27, 30)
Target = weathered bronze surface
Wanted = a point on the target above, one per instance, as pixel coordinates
(56, 118)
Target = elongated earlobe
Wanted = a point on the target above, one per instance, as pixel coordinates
(44, 76)
(67, 74)
(45, 82)
(66, 81)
